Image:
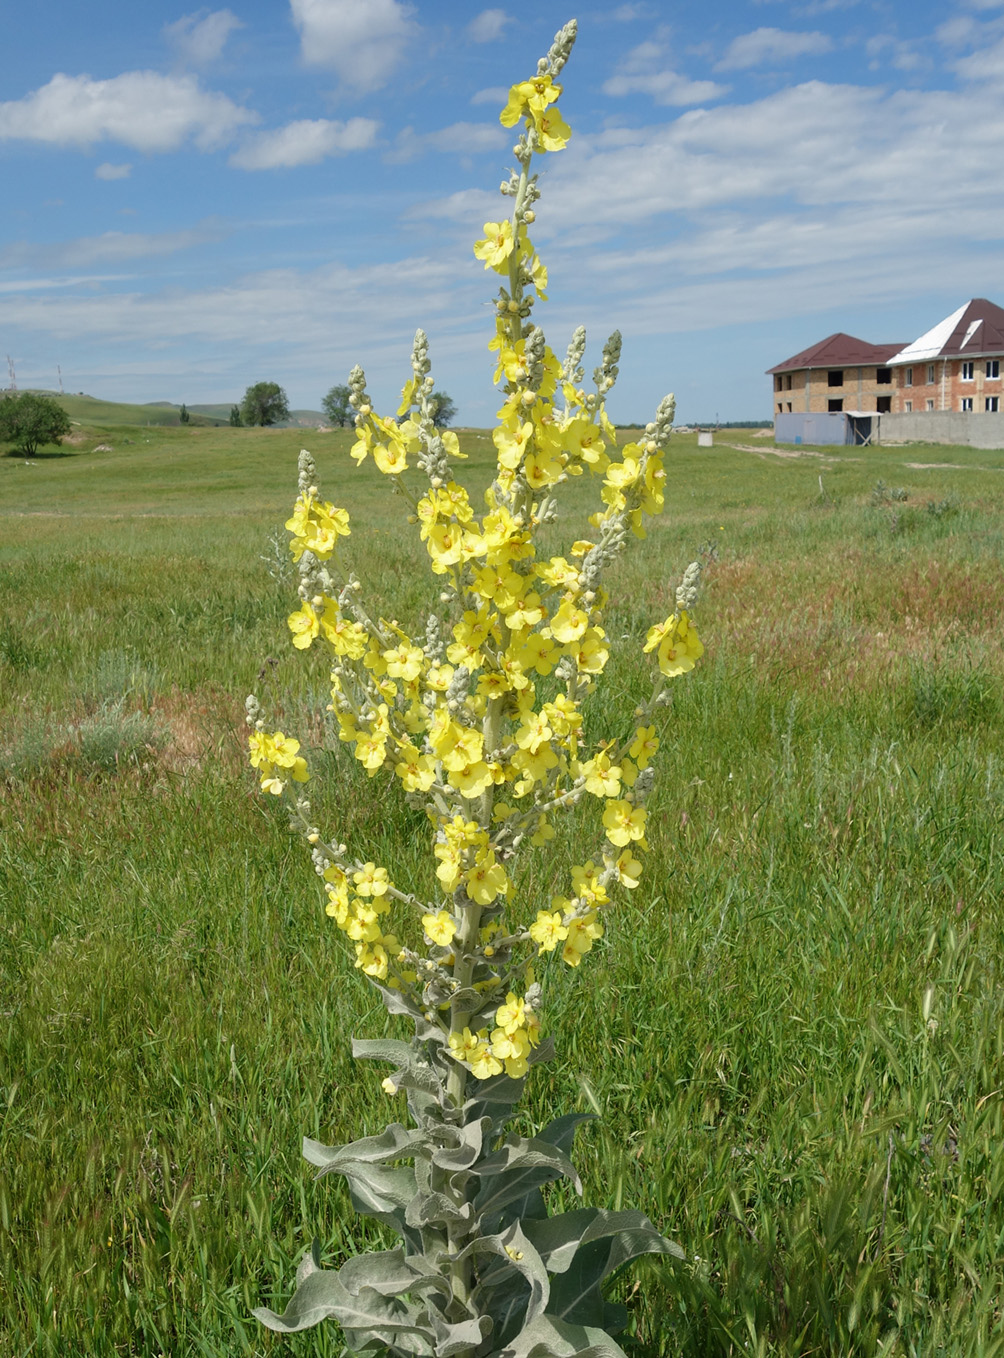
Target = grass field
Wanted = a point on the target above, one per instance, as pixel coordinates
(794, 1030)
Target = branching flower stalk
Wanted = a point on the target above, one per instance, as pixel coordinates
(479, 717)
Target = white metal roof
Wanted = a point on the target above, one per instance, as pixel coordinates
(932, 342)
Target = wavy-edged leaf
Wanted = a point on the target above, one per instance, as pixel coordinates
(394, 1143)
(518, 1254)
(434, 1209)
(461, 1337)
(547, 1337)
(390, 1273)
(558, 1238)
(323, 1296)
(608, 1242)
(468, 1142)
(517, 1168)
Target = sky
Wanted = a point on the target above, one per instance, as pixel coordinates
(196, 200)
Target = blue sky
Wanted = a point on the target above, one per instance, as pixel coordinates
(199, 199)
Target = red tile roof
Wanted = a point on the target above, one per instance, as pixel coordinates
(839, 351)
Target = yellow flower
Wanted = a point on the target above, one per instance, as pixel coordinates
(416, 771)
(483, 1064)
(464, 1045)
(569, 623)
(529, 97)
(371, 880)
(547, 931)
(603, 779)
(624, 823)
(553, 131)
(628, 869)
(496, 247)
(646, 742)
(440, 927)
(487, 881)
(581, 934)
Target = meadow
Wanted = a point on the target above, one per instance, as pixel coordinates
(793, 1031)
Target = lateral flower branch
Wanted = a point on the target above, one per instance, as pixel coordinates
(479, 717)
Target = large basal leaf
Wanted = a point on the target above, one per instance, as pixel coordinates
(558, 1238)
(436, 1209)
(467, 1144)
(520, 1166)
(502, 1293)
(606, 1245)
(381, 1191)
(560, 1133)
(394, 1143)
(547, 1337)
(512, 1248)
(461, 1337)
(392, 1274)
(322, 1296)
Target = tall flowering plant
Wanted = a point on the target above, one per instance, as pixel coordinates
(479, 717)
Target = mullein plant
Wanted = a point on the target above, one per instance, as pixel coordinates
(479, 716)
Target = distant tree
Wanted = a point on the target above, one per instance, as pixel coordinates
(29, 421)
(443, 409)
(336, 406)
(235, 417)
(183, 415)
(264, 403)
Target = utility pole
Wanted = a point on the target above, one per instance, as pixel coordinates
(13, 379)
(60, 371)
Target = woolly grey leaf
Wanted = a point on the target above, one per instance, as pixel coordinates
(518, 1167)
(546, 1337)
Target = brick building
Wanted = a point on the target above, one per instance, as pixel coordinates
(840, 373)
(957, 365)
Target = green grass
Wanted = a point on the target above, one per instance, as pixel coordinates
(793, 1029)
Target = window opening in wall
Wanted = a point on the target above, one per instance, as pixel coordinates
(908, 377)
(967, 403)
(787, 382)
(990, 403)
(993, 367)
(930, 374)
(883, 377)
(929, 405)
(883, 404)
(835, 403)
(967, 371)
(789, 405)
(777, 381)
(779, 407)
(835, 377)
(908, 406)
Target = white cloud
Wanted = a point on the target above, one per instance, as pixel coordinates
(495, 94)
(117, 246)
(306, 142)
(460, 139)
(109, 171)
(766, 46)
(142, 109)
(627, 14)
(488, 25)
(646, 70)
(361, 42)
(200, 38)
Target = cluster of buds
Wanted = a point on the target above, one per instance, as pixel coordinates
(481, 717)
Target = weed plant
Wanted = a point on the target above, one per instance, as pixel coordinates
(813, 1010)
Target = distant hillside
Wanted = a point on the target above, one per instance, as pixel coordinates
(306, 419)
(93, 410)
